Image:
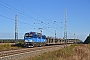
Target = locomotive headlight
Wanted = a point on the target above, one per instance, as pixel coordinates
(26, 40)
(31, 41)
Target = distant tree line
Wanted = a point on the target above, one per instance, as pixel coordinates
(10, 40)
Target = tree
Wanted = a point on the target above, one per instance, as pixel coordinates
(87, 41)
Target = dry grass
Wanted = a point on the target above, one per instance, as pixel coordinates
(73, 52)
(7, 46)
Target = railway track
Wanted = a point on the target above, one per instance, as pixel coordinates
(10, 53)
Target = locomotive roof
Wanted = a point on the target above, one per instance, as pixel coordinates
(32, 32)
(35, 33)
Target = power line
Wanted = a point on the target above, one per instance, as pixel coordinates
(18, 11)
(14, 19)
(22, 13)
(19, 21)
(15, 10)
(37, 13)
(22, 4)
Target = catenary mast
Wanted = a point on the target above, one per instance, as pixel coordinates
(16, 29)
(65, 28)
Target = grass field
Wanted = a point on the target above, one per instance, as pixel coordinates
(73, 52)
(8, 46)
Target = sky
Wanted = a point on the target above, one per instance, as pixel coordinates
(46, 14)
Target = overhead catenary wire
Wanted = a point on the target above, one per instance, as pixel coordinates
(20, 22)
(14, 20)
(22, 4)
(21, 12)
(24, 14)
(15, 10)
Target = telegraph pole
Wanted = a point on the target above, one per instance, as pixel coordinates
(16, 29)
(74, 36)
(55, 35)
(65, 29)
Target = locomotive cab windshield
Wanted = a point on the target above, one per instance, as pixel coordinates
(27, 35)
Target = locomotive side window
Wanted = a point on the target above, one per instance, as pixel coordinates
(35, 36)
(39, 36)
(43, 37)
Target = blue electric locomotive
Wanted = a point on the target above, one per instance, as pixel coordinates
(32, 39)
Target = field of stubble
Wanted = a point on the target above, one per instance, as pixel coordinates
(73, 52)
